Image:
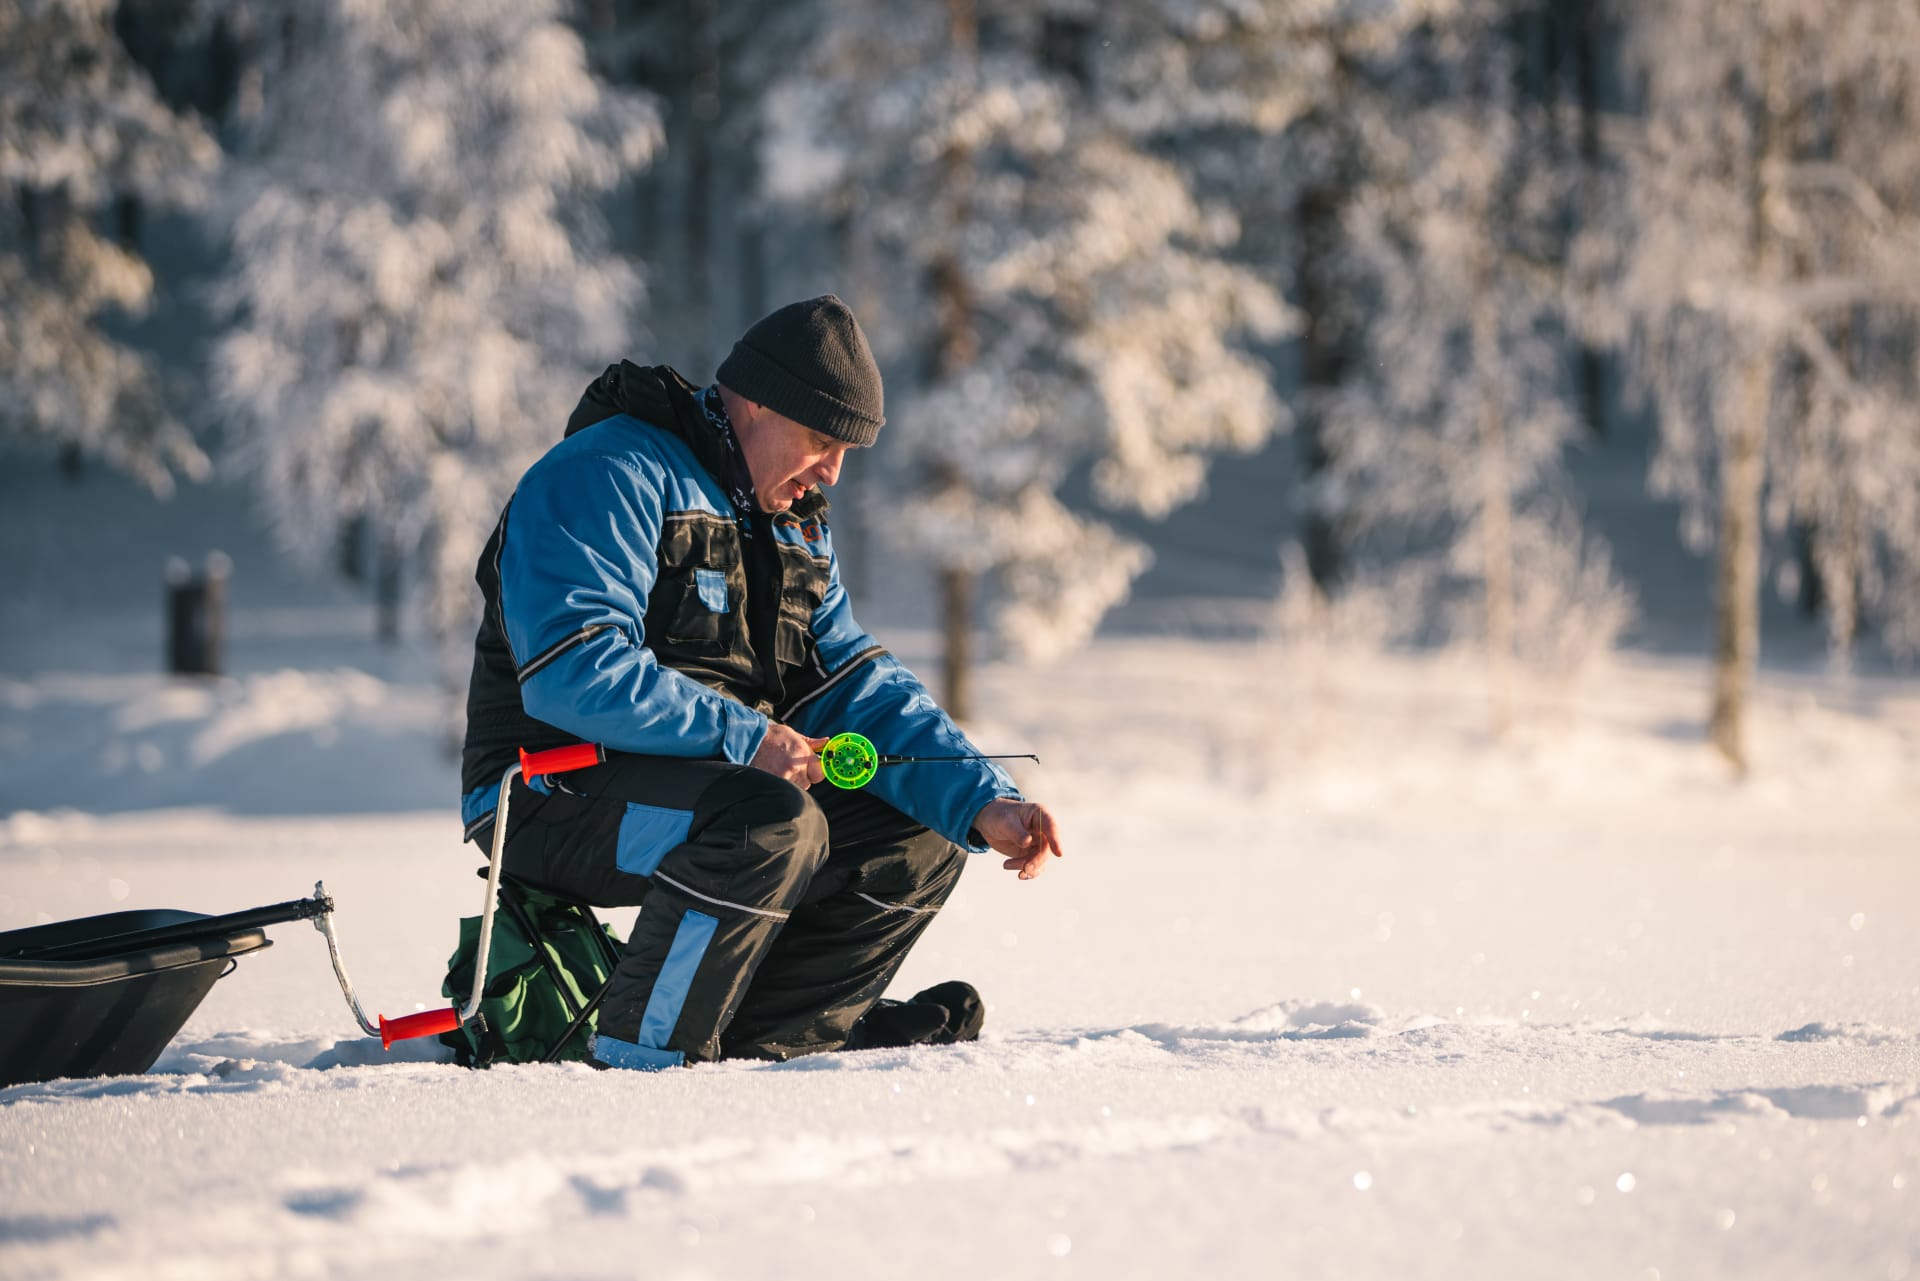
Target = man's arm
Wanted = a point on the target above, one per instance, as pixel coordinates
(577, 560)
(973, 803)
(869, 691)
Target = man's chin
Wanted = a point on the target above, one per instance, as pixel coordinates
(780, 499)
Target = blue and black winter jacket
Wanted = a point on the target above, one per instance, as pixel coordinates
(628, 604)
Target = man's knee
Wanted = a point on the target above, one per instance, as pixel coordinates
(920, 871)
(766, 807)
(934, 858)
(773, 834)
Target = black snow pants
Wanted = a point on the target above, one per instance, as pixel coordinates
(771, 919)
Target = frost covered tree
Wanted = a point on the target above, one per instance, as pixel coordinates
(694, 207)
(1760, 270)
(420, 283)
(1079, 309)
(1451, 431)
(1266, 100)
(82, 134)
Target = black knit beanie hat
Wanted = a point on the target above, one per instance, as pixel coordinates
(809, 362)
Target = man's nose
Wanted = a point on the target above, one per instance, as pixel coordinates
(828, 469)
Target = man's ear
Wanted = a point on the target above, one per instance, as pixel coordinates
(740, 409)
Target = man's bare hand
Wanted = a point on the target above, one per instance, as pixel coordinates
(1025, 832)
(787, 753)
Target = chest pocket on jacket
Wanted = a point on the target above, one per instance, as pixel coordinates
(695, 605)
(804, 587)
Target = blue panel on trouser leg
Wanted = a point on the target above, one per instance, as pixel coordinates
(647, 832)
(676, 977)
(664, 1006)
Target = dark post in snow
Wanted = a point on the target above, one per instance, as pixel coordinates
(197, 616)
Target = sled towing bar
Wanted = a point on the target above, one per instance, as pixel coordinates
(318, 909)
(558, 760)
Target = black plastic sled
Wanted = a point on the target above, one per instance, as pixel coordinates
(102, 995)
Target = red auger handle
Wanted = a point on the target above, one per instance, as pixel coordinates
(559, 760)
(429, 1023)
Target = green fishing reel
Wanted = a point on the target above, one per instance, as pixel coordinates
(849, 760)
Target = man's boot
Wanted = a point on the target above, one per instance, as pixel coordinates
(941, 1015)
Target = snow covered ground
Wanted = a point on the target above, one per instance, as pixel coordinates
(1329, 985)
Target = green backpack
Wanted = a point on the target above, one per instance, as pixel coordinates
(549, 960)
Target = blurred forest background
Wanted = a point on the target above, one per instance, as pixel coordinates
(1352, 292)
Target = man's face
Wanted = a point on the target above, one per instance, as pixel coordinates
(784, 458)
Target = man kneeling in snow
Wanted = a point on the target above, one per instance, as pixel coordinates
(663, 582)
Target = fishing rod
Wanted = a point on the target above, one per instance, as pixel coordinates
(850, 760)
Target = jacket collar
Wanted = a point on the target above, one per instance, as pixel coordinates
(658, 394)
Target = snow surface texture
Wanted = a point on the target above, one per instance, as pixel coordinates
(1328, 986)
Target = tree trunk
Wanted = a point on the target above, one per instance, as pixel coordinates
(352, 548)
(703, 113)
(1496, 520)
(129, 219)
(751, 246)
(1497, 549)
(741, 134)
(956, 620)
(956, 347)
(957, 350)
(1323, 361)
(1325, 350)
(1843, 594)
(1594, 369)
(1737, 596)
(1743, 464)
(386, 593)
(1855, 542)
(1811, 599)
